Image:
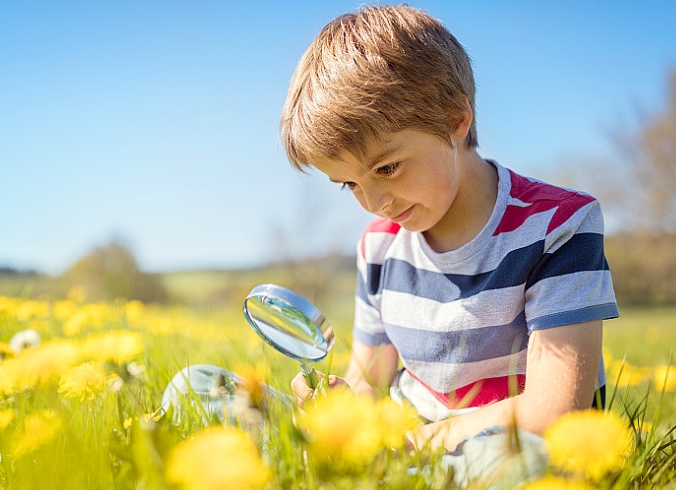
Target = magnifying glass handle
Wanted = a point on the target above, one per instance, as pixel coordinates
(309, 374)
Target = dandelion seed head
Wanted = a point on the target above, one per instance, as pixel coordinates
(23, 340)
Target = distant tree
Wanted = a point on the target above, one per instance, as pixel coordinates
(641, 185)
(638, 190)
(110, 272)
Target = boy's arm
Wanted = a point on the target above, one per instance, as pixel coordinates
(561, 374)
(372, 369)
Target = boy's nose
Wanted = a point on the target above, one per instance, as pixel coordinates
(376, 199)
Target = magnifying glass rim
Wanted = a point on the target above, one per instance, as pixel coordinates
(299, 303)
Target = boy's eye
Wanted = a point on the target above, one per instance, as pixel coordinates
(348, 185)
(388, 169)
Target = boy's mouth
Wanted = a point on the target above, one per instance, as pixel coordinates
(403, 216)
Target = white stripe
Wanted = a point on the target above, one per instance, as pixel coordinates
(589, 220)
(406, 310)
(376, 244)
(568, 293)
(367, 318)
(443, 377)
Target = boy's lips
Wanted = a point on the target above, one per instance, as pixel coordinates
(401, 217)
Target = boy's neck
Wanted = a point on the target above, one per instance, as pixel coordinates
(472, 207)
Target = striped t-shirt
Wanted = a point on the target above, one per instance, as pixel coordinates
(460, 319)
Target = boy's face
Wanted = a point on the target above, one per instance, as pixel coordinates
(410, 177)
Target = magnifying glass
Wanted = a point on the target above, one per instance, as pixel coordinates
(291, 324)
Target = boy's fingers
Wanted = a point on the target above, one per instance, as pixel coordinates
(335, 381)
(300, 388)
(302, 391)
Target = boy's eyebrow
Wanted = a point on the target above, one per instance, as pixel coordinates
(383, 155)
(372, 161)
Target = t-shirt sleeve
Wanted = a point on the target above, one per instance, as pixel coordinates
(368, 325)
(571, 283)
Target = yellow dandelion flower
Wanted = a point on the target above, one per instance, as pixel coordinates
(134, 311)
(84, 382)
(63, 309)
(343, 426)
(6, 417)
(217, 458)
(100, 312)
(590, 442)
(119, 346)
(664, 378)
(5, 351)
(7, 306)
(395, 421)
(75, 323)
(625, 374)
(253, 381)
(38, 366)
(32, 309)
(40, 429)
(642, 425)
(556, 483)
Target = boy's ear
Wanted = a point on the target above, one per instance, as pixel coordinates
(464, 123)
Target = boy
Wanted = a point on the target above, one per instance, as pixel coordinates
(488, 287)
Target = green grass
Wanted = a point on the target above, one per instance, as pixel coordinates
(645, 336)
(109, 442)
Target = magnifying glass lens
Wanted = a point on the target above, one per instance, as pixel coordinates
(285, 328)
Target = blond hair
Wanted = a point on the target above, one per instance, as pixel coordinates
(378, 71)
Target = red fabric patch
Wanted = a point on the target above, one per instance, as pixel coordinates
(479, 393)
(539, 197)
(381, 225)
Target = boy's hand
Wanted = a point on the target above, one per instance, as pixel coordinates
(302, 391)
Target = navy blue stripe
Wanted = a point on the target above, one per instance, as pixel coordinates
(462, 346)
(399, 275)
(604, 311)
(526, 265)
(583, 252)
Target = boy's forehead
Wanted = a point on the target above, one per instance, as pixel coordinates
(376, 150)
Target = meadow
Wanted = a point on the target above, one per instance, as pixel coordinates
(82, 408)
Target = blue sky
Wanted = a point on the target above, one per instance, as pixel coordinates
(155, 122)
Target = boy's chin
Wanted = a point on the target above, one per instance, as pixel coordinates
(414, 228)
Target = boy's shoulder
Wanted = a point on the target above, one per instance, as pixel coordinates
(531, 190)
(529, 196)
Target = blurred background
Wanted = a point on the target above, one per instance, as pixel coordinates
(139, 154)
